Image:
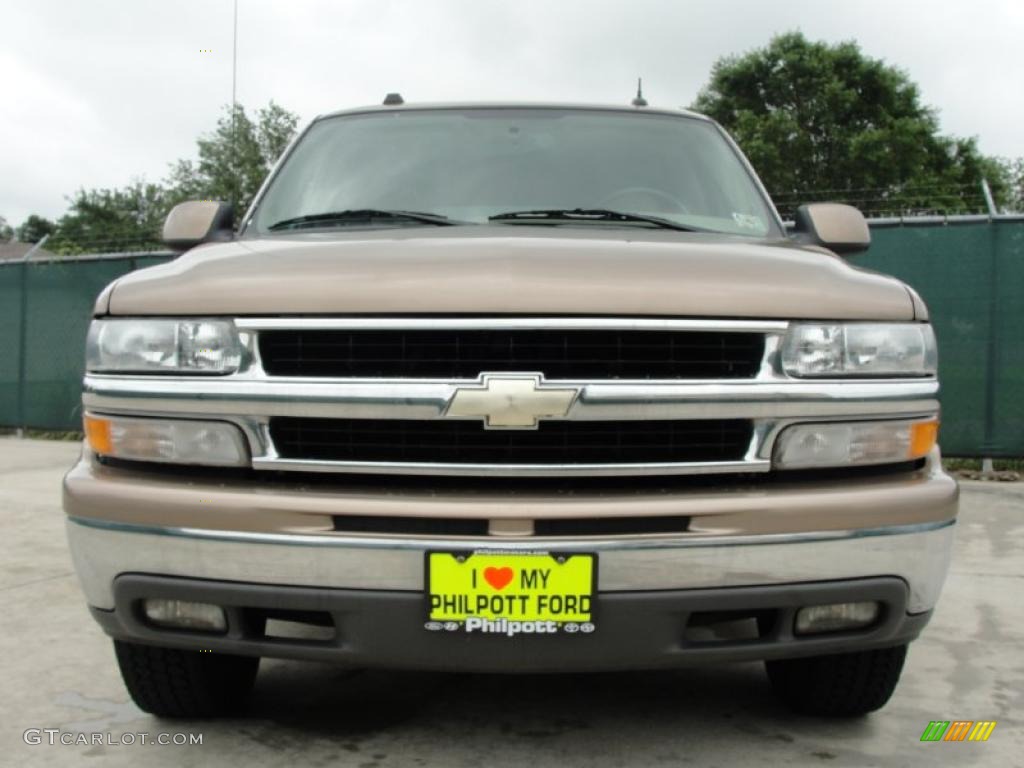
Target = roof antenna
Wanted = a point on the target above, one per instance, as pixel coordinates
(639, 101)
(393, 99)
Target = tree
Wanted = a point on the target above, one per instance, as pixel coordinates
(34, 229)
(232, 163)
(1015, 173)
(825, 121)
(235, 159)
(107, 220)
(6, 233)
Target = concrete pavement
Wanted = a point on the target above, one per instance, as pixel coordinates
(58, 672)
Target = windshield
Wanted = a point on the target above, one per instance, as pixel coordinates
(472, 164)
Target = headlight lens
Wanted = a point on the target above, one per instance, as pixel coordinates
(170, 441)
(162, 346)
(805, 446)
(860, 349)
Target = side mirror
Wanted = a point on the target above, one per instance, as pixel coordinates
(198, 221)
(840, 228)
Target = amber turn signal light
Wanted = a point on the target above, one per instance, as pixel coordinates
(923, 436)
(97, 432)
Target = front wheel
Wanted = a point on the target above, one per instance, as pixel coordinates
(841, 685)
(167, 682)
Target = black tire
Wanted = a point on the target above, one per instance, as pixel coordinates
(842, 685)
(167, 682)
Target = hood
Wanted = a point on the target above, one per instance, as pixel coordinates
(512, 269)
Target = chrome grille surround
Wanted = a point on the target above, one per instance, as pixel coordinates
(771, 400)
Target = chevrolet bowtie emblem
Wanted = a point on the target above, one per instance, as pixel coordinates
(507, 401)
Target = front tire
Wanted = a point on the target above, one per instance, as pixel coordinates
(840, 685)
(172, 683)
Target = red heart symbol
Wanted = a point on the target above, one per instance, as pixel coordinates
(498, 578)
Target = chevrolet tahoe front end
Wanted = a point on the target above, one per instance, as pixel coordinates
(510, 435)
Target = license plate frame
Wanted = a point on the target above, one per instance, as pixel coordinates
(530, 602)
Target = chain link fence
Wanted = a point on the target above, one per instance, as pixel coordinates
(45, 306)
(903, 201)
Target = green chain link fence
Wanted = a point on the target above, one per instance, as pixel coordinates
(44, 315)
(970, 270)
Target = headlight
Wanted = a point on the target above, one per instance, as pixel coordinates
(860, 349)
(162, 346)
(804, 446)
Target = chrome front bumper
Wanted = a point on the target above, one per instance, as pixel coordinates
(918, 554)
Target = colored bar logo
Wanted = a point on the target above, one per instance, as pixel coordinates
(958, 730)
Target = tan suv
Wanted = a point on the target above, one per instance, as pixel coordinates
(511, 388)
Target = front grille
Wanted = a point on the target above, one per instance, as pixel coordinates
(558, 354)
(467, 442)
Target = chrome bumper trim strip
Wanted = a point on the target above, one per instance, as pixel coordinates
(589, 544)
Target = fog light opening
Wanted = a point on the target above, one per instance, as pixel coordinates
(184, 614)
(836, 617)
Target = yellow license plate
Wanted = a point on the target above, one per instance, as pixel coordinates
(511, 593)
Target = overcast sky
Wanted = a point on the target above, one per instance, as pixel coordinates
(94, 94)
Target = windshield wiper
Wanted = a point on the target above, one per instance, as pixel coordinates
(591, 214)
(360, 214)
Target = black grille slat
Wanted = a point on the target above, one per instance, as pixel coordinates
(610, 526)
(467, 442)
(445, 526)
(413, 526)
(557, 353)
